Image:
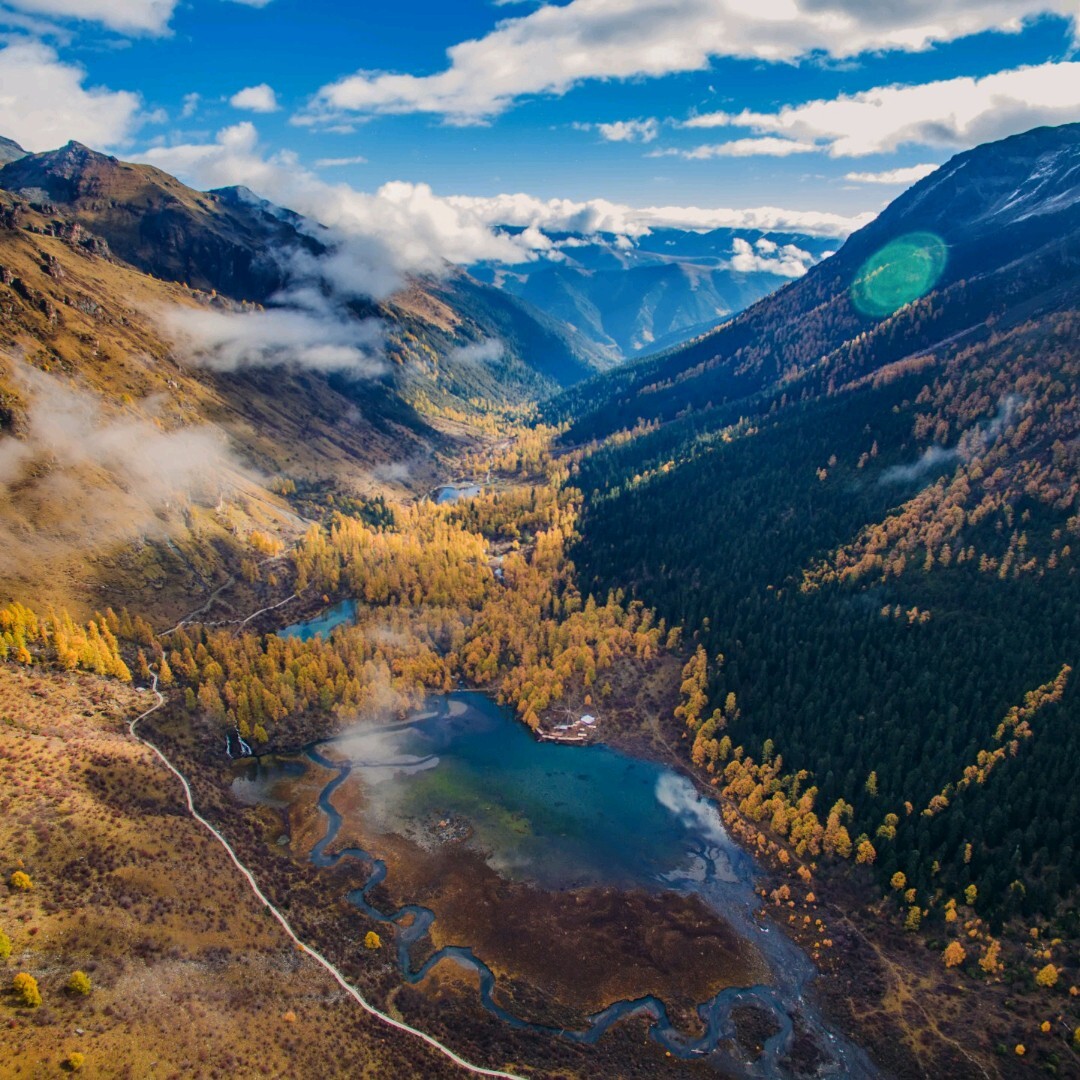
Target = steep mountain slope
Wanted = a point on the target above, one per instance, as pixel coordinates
(234, 243)
(10, 150)
(136, 465)
(1003, 217)
(634, 296)
(156, 223)
(872, 522)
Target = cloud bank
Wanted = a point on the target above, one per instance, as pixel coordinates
(554, 48)
(600, 215)
(950, 113)
(377, 240)
(298, 334)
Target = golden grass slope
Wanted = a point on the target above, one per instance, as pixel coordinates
(188, 977)
(122, 467)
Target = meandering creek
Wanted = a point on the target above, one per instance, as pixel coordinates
(564, 824)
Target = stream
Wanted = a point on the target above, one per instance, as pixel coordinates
(563, 818)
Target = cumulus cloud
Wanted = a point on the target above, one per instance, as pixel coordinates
(374, 241)
(125, 16)
(44, 102)
(765, 255)
(306, 331)
(377, 239)
(907, 175)
(553, 48)
(628, 130)
(948, 113)
(259, 99)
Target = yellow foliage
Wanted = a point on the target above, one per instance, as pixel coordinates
(954, 954)
(1047, 976)
(26, 990)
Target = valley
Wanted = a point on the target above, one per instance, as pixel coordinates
(809, 576)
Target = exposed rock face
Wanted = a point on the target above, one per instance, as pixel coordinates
(209, 240)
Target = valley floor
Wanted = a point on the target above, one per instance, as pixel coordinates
(191, 977)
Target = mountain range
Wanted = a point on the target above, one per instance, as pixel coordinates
(631, 296)
(842, 497)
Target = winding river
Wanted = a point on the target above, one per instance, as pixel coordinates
(558, 818)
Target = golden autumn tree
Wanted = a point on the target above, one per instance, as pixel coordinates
(954, 954)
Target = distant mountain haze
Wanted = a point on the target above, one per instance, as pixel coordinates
(631, 296)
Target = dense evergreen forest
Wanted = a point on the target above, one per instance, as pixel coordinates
(868, 523)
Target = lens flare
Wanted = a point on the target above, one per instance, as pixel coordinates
(903, 270)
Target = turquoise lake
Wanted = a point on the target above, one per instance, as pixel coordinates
(558, 816)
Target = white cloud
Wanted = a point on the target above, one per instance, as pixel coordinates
(44, 102)
(477, 353)
(949, 113)
(191, 106)
(767, 256)
(907, 175)
(553, 48)
(630, 130)
(126, 16)
(599, 215)
(766, 146)
(260, 99)
(301, 334)
(340, 162)
(379, 238)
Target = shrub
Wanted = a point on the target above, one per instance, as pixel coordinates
(5, 946)
(78, 982)
(372, 940)
(74, 1061)
(21, 880)
(26, 990)
(954, 954)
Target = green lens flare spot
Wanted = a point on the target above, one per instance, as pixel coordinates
(903, 270)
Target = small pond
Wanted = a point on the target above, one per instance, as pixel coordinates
(323, 623)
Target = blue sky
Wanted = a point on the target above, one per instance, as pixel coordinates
(705, 101)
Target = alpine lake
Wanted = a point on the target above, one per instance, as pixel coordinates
(570, 886)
